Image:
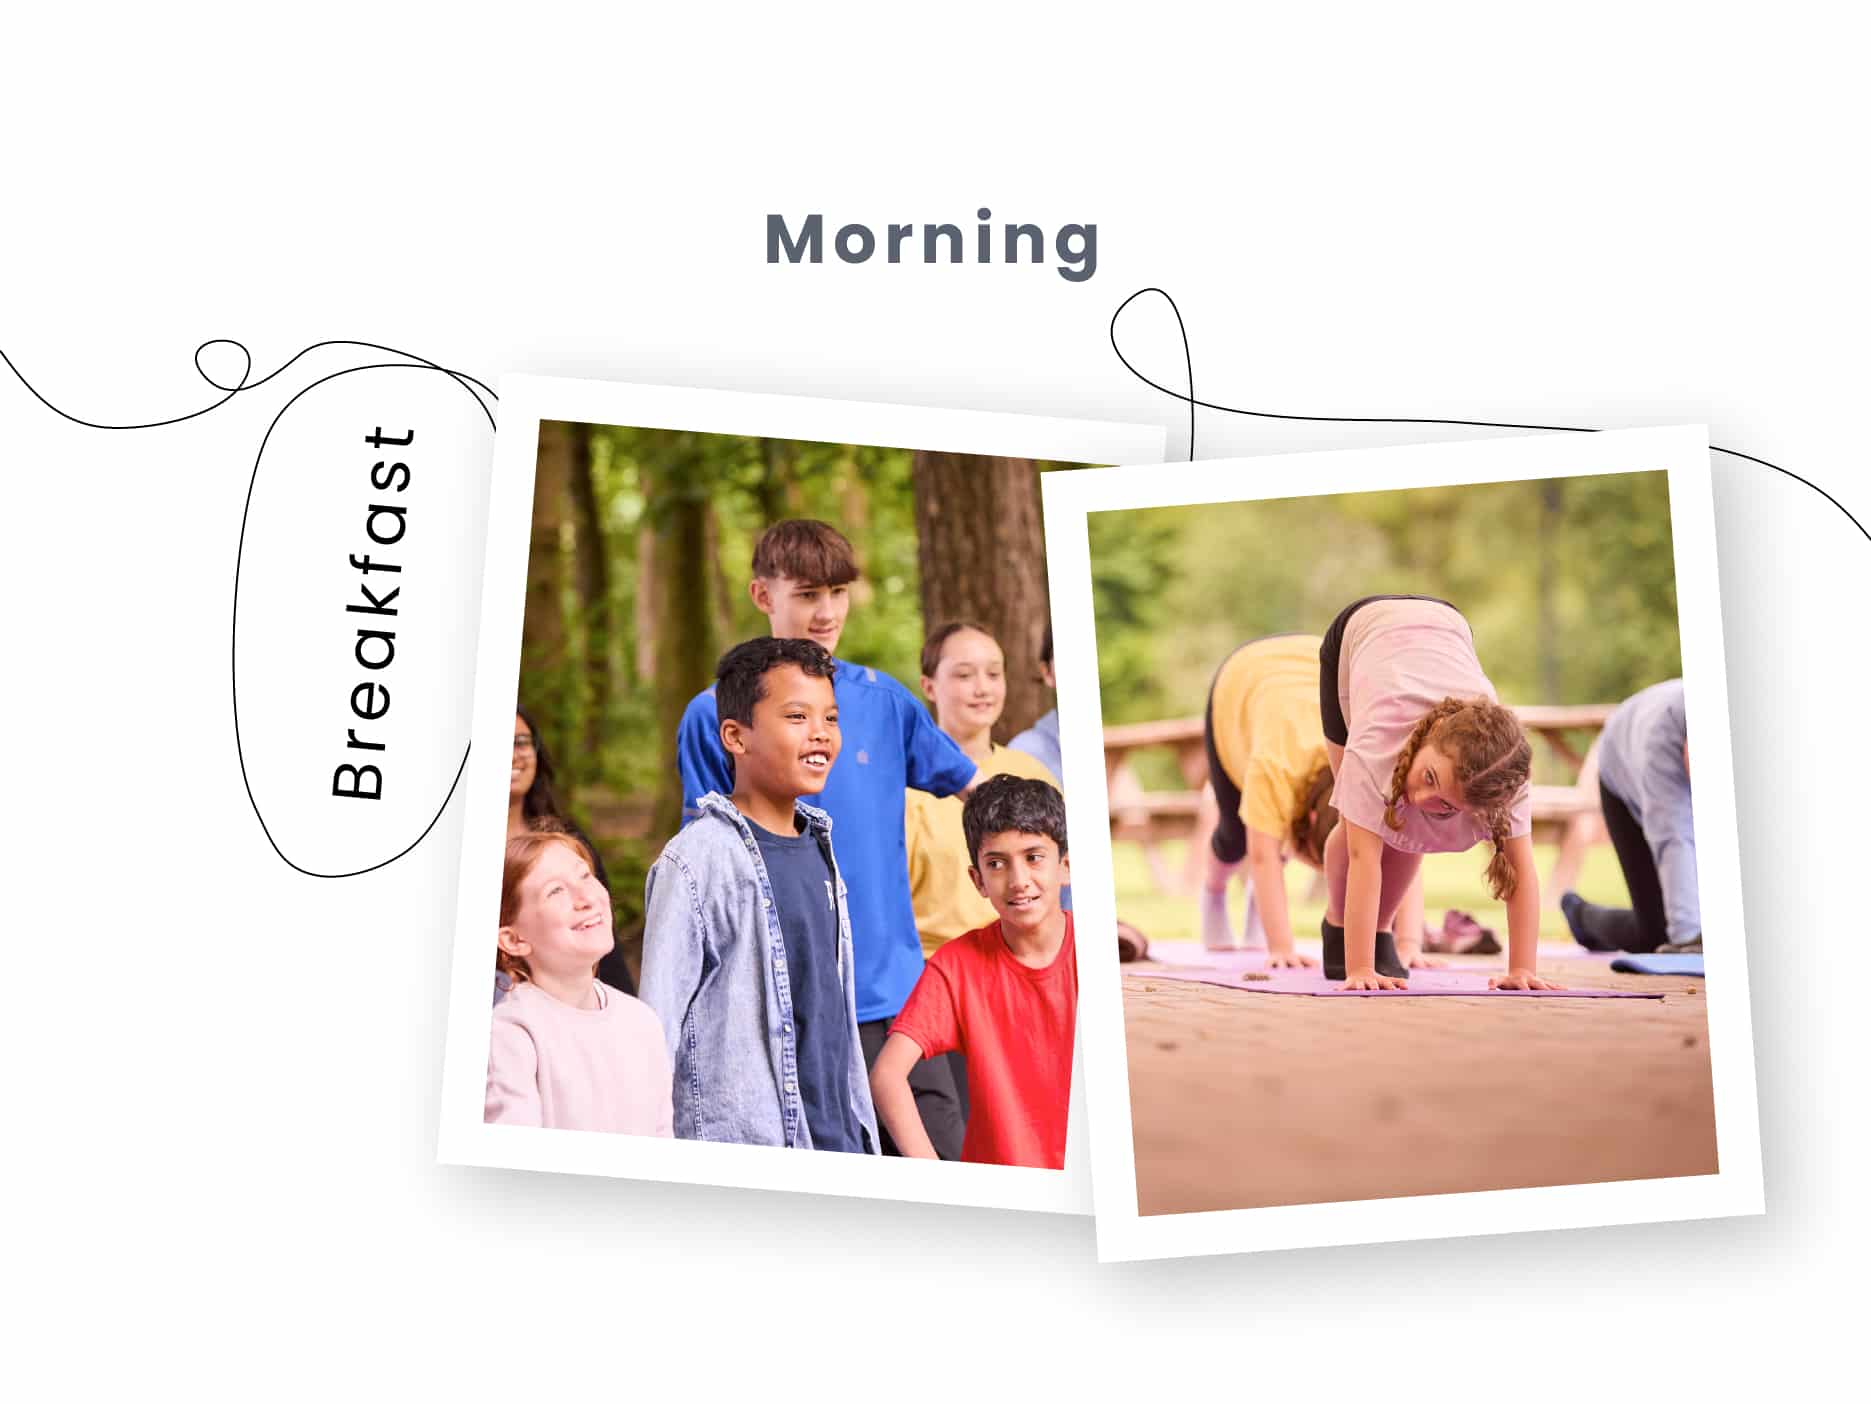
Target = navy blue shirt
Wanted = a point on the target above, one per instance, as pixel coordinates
(890, 743)
(808, 912)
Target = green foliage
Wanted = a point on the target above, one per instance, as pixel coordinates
(1569, 584)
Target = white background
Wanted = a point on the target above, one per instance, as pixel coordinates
(224, 1075)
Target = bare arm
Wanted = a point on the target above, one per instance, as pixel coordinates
(1523, 923)
(1363, 890)
(1268, 875)
(895, 1102)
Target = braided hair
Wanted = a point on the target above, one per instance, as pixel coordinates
(1493, 760)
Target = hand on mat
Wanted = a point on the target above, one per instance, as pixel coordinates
(1289, 960)
(1522, 980)
(1371, 980)
(1413, 957)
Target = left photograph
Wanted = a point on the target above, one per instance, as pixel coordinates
(783, 873)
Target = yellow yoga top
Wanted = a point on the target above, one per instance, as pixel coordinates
(1264, 717)
(943, 894)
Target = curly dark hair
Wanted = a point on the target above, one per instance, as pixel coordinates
(740, 673)
(1011, 803)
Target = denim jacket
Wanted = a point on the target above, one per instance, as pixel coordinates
(714, 970)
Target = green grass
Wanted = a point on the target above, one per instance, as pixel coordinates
(1451, 880)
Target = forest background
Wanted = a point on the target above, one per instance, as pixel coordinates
(637, 580)
(1568, 583)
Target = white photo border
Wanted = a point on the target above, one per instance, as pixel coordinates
(463, 1138)
(1124, 1234)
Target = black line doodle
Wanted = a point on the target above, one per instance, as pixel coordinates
(1190, 399)
(473, 386)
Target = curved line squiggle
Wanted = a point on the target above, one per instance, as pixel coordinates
(1394, 419)
(241, 384)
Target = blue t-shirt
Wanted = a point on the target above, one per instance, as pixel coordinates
(1041, 741)
(889, 744)
(808, 911)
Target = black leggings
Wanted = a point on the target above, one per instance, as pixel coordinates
(1330, 713)
(1645, 924)
(941, 1088)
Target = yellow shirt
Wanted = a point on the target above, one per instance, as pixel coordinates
(943, 894)
(1264, 717)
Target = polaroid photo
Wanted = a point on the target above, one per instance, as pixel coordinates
(1343, 731)
(764, 878)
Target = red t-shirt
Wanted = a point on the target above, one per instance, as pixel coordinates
(1014, 1025)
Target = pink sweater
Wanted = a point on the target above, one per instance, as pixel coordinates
(603, 1069)
(1399, 659)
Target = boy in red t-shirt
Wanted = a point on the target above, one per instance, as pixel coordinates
(1005, 996)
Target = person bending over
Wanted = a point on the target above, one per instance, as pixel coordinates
(1643, 784)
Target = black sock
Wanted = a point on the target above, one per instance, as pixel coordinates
(1386, 953)
(1605, 928)
(1387, 961)
(1334, 962)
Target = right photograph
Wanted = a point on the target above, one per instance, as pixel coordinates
(1400, 790)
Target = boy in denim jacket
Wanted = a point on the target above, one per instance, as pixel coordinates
(747, 942)
(802, 574)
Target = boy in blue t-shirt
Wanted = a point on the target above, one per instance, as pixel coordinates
(802, 573)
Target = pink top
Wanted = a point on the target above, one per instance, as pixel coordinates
(1399, 658)
(603, 1069)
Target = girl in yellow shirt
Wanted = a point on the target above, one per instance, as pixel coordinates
(964, 676)
(1273, 786)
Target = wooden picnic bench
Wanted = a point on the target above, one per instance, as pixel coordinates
(1153, 817)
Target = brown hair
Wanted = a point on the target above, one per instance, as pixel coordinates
(1315, 820)
(938, 640)
(1493, 760)
(523, 854)
(807, 551)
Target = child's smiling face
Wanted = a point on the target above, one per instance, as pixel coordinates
(969, 688)
(1431, 785)
(1020, 875)
(563, 923)
(525, 761)
(797, 610)
(789, 748)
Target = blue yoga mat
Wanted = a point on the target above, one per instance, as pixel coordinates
(1658, 964)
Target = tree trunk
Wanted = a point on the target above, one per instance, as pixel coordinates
(545, 670)
(983, 558)
(648, 603)
(592, 561)
(682, 618)
(720, 592)
(1552, 512)
(778, 489)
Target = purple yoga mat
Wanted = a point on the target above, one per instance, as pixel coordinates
(1183, 960)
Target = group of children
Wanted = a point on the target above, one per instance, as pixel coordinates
(855, 943)
(861, 940)
(1362, 750)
